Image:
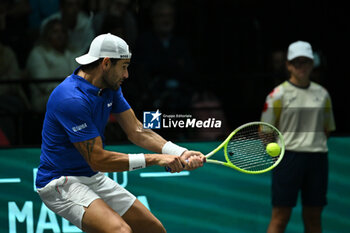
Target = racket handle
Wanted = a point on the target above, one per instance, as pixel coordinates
(168, 169)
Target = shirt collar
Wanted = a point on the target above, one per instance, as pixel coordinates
(297, 86)
(84, 85)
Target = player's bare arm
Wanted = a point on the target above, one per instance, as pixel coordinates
(103, 160)
(135, 132)
(152, 141)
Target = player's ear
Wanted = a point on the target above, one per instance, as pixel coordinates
(106, 63)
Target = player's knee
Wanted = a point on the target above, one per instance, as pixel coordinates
(281, 215)
(280, 219)
(283, 219)
(120, 228)
(124, 229)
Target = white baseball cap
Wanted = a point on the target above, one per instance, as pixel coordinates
(105, 45)
(299, 49)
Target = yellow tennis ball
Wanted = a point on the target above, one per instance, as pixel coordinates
(273, 149)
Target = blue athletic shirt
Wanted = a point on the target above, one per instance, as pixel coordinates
(76, 111)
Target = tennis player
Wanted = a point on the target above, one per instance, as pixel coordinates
(302, 111)
(70, 180)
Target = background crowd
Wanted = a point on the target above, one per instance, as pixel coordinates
(207, 58)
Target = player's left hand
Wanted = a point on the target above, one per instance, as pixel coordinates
(195, 159)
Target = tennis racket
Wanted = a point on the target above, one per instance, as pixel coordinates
(245, 148)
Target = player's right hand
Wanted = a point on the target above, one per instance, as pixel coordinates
(175, 163)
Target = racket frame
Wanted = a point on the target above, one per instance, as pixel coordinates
(228, 163)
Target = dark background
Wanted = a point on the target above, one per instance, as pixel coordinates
(231, 43)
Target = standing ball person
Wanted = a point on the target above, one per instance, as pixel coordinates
(70, 179)
(302, 111)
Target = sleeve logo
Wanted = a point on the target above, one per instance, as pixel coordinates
(79, 127)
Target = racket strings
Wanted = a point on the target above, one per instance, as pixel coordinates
(247, 148)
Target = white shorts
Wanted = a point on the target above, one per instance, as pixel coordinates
(68, 195)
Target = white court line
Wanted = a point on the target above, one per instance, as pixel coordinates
(163, 174)
(10, 180)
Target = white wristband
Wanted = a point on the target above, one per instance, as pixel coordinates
(173, 149)
(136, 161)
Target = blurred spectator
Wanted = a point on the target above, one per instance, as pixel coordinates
(4, 142)
(40, 10)
(9, 70)
(50, 59)
(163, 61)
(116, 12)
(79, 25)
(206, 105)
(13, 100)
(14, 14)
